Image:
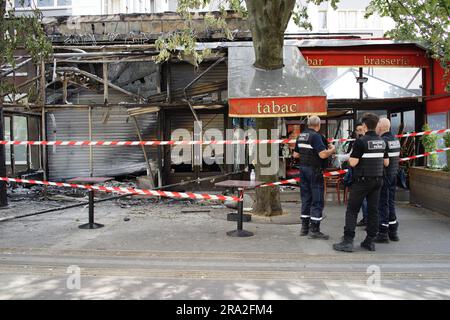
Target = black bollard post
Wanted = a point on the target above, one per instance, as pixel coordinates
(91, 224)
(240, 220)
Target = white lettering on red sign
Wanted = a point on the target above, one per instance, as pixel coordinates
(274, 108)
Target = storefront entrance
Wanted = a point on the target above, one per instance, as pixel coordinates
(180, 164)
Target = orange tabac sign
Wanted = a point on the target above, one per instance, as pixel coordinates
(277, 106)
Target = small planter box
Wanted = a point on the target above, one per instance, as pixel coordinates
(430, 189)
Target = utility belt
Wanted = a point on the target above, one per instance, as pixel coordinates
(367, 179)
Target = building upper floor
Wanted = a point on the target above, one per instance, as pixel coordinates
(51, 8)
(348, 18)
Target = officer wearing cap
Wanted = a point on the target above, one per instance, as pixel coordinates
(368, 159)
(388, 224)
(311, 149)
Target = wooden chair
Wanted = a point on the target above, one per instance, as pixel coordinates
(334, 182)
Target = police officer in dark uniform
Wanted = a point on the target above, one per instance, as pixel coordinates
(311, 149)
(368, 159)
(388, 224)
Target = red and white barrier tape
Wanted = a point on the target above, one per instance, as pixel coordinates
(200, 142)
(272, 184)
(167, 194)
(188, 195)
(424, 154)
(297, 180)
(143, 143)
(339, 172)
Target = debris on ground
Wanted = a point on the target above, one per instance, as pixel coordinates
(51, 196)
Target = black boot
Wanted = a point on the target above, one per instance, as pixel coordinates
(345, 245)
(368, 244)
(393, 236)
(315, 232)
(305, 229)
(381, 238)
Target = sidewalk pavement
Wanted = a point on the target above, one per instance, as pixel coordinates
(159, 252)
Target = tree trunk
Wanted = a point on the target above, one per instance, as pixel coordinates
(268, 20)
(268, 198)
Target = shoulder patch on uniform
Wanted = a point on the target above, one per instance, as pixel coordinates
(394, 144)
(377, 145)
(303, 136)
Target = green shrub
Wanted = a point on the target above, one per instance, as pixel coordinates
(429, 143)
(447, 144)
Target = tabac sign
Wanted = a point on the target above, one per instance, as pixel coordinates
(277, 107)
(288, 92)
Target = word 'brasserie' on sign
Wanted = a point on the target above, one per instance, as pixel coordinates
(386, 61)
(275, 108)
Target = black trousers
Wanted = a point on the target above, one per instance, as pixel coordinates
(386, 207)
(312, 194)
(363, 188)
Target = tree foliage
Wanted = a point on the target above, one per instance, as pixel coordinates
(23, 31)
(423, 21)
(447, 145)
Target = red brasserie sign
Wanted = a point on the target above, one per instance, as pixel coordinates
(316, 58)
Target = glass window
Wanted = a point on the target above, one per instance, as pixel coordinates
(342, 20)
(338, 83)
(381, 83)
(348, 19)
(409, 79)
(396, 119)
(323, 25)
(22, 3)
(409, 118)
(351, 19)
(439, 121)
(45, 3)
(8, 138)
(64, 3)
(20, 133)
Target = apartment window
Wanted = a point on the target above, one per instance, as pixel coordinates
(62, 3)
(152, 6)
(348, 19)
(43, 3)
(20, 3)
(323, 24)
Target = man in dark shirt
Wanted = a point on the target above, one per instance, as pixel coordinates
(388, 223)
(312, 152)
(368, 159)
(358, 133)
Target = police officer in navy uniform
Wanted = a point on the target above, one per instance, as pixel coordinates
(311, 149)
(368, 159)
(388, 224)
